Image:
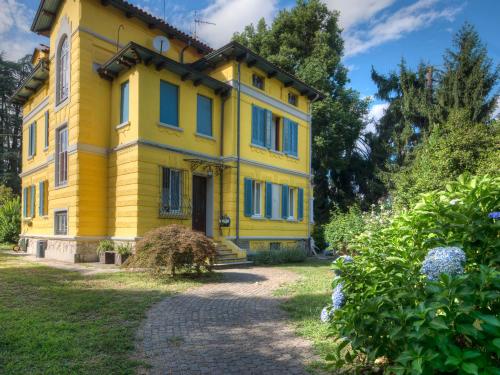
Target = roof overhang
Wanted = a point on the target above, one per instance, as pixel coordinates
(47, 12)
(133, 54)
(240, 53)
(31, 83)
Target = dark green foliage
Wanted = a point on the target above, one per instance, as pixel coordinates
(10, 220)
(11, 75)
(421, 327)
(292, 255)
(305, 40)
(343, 228)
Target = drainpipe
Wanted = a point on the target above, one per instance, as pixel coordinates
(311, 193)
(238, 156)
(221, 176)
(181, 57)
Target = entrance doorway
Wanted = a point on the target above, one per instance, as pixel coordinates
(200, 204)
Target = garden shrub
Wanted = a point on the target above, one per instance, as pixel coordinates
(173, 248)
(105, 246)
(420, 326)
(10, 220)
(286, 255)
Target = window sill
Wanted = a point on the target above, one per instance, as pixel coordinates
(257, 217)
(171, 127)
(277, 152)
(31, 157)
(205, 136)
(292, 156)
(61, 186)
(291, 219)
(258, 146)
(46, 148)
(61, 104)
(122, 125)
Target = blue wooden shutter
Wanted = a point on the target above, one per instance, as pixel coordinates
(294, 138)
(41, 199)
(248, 197)
(269, 199)
(255, 122)
(284, 201)
(286, 136)
(34, 138)
(267, 127)
(46, 144)
(169, 104)
(204, 115)
(124, 102)
(32, 201)
(25, 202)
(300, 206)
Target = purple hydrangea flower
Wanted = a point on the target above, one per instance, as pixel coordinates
(494, 215)
(440, 260)
(345, 259)
(338, 297)
(326, 314)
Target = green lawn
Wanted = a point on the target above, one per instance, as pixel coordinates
(60, 322)
(307, 297)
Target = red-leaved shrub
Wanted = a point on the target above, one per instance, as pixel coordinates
(172, 248)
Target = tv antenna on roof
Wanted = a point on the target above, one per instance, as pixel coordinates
(198, 21)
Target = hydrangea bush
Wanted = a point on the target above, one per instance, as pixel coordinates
(424, 291)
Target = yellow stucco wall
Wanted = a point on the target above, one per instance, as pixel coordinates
(113, 185)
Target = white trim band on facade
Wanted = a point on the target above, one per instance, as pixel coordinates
(78, 238)
(38, 168)
(264, 165)
(35, 111)
(250, 91)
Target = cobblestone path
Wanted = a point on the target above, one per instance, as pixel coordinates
(234, 326)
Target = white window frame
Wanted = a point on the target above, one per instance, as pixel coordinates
(56, 227)
(61, 178)
(291, 203)
(62, 69)
(276, 202)
(257, 198)
(166, 209)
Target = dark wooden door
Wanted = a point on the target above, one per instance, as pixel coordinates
(200, 204)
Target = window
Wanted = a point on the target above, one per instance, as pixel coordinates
(29, 201)
(43, 190)
(274, 246)
(291, 203)
(32, 140)
(261, 119)
(124, 102)
(61, 156)
(171, 196)
(169, 104)
(46, 143)
(257, 193)
(275, 134)
(61, 222)
(62, 85)
(272, 200)
(293, 99)
(290, 137)
(258, 81)
(204, 116)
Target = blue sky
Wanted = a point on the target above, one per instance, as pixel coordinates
(376, 32)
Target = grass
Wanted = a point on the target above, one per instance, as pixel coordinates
(307, 297)
(60, 322)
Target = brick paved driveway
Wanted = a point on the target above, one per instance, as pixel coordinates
(234, 326)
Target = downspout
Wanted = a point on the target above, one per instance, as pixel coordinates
(238, 156)
(221, 176)
(181, 57)
(311, 192)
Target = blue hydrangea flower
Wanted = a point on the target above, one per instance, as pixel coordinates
(326, 314)
(494, 215)
(345, 259)
(450, 260)
(338, 297)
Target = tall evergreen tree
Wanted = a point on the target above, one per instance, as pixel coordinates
(11, 75)
(306, 41)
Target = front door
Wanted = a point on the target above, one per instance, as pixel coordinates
(200, 204)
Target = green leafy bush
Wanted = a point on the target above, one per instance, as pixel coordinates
(10, 220)
(124, 249)
(105, 246)
(168, 249)
(417, 326)
(287, 255)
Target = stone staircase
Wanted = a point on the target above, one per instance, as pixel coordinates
(228, 256)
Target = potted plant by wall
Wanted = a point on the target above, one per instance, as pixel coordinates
(106, 252)
(123, 251)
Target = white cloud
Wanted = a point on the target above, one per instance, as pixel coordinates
(374, 115)
(496, 112)
(392, 26)
(14, 15)
(353, 12)
(231, 16)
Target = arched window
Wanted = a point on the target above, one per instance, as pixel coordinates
(62, 70)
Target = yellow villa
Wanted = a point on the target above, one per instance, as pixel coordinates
(130, 124)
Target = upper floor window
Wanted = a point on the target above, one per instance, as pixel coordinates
(259, 127)
(169, 104)
(204, 116)
(290, 137)
(32, 140)
(62, 69)
(61, 159)
(124, 102)
(293, 99)
(258, 81)
(46, 143)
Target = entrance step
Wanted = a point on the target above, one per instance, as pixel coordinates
(242, 264)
